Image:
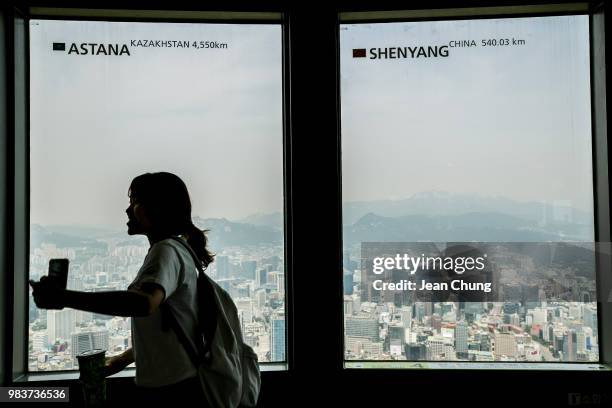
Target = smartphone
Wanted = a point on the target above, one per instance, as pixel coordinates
(58, 271)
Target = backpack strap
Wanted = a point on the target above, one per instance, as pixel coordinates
(208, 311)
(193, 353)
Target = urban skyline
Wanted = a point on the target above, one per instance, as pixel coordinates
(254, 277)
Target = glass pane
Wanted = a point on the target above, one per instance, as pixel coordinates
(113, 100)
(467, 131)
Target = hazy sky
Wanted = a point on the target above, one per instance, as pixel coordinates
(213, 117)
(511, 121)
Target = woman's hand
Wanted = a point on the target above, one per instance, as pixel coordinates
(47, 295)
(115, 364)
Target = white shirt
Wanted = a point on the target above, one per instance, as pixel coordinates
(160, 357)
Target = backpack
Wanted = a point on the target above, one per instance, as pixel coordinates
(227, 367)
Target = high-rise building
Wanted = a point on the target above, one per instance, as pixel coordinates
(397, 332)
(550, 337)
(40, 341)
(485, 343)
(570, 345)
(429, 306)
(354, 345)
(362, 326)
(588, 337)
(280, 283)
(222, 265)
(505, 345)
(581, 340)
(74, 283)
(348, 305)
(356, 302)
(259, 296)
(273, 261)
(539, 316)
(372, 349)
(575, 311)
(102, 278)
(558, 342)
(396, 348)
(419, 309)
(277, 336)
(436, 323)
(249, 268)
(439, 348)
(406, 312)
(511, 307)
(415, 352)
(33, 311)
(506, 318)
(589, 316)
(347, 282)
(242, 290)
(461, 339)
(60, 324)
(273, 278)
(90, 340)
(261, 277)
(244, 307)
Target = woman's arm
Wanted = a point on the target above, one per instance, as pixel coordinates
(127, 303)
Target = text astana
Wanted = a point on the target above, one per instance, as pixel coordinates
(99, 49)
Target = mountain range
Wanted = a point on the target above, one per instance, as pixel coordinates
(429, 216)
(435, 203)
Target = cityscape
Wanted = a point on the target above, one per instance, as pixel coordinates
(543, 307)
(541, 312)
(397, 327)
(253, 274)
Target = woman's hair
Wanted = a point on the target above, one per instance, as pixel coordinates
(167, 204)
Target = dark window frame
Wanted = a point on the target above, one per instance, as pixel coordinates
(601, 202)
(20, 353)
(315, 342)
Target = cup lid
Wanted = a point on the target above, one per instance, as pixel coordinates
(90, 353)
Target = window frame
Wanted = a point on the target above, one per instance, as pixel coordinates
(601, 198)
(20, 353)
(313, 230)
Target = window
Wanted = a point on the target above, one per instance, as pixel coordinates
(112, 100)
(467, 131)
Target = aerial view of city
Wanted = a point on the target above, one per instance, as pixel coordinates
(249, 264)
(540, 308)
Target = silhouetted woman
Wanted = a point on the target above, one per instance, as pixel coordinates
(160, 208)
